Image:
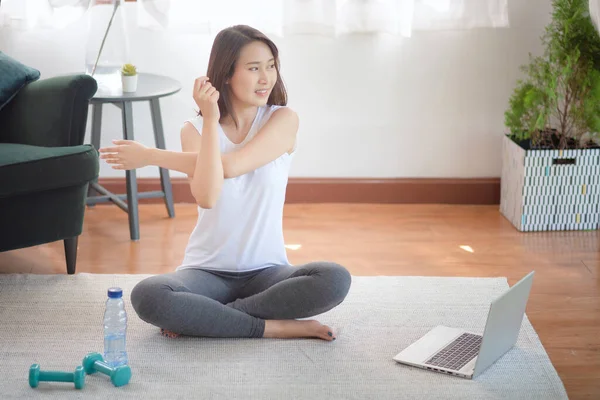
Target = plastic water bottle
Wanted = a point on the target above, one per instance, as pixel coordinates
(115, 328)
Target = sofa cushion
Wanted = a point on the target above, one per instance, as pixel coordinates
(13, 76)
(25, 169)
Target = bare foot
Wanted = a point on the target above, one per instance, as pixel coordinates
(168, 334)
(291, 328)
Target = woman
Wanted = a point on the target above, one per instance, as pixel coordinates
(235, 279)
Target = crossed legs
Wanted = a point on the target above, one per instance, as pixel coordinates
(253, 304)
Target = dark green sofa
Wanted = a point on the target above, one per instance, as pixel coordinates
(44, 166)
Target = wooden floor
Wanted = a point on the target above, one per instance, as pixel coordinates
(427, 240)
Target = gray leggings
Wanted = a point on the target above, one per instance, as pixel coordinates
(197, 302)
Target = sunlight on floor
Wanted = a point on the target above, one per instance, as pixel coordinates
(293, 246)
(467, 248)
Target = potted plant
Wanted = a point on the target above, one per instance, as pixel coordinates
(551, 158)
(129, 77)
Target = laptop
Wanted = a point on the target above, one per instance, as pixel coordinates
(466, 354)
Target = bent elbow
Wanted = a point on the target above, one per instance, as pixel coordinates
(207, 205)
(206, 192)
(207, 200)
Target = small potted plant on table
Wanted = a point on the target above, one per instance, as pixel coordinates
(129, 77)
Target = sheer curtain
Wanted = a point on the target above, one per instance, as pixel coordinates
(30, 14)
(460, 14)
(278, 17)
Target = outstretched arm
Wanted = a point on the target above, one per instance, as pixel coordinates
(277, 137)
(128, 154)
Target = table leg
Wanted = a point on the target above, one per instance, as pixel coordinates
(132, 195)
(95, 138)
(159, 138)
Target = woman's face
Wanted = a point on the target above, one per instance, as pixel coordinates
(254, 75)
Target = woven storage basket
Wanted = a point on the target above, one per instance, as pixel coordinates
(550, 190)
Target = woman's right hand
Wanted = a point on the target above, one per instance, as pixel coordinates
(126, 154)
(207, 97)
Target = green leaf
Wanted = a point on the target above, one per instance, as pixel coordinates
(566, 76)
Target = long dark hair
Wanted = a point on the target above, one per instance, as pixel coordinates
(223, 58)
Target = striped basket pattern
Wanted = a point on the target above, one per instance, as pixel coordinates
(550, 190)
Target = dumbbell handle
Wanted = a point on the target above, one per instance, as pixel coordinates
(119, 376)
(103, 367)
(56, 376)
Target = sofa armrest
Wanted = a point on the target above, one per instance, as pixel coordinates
(49, 112)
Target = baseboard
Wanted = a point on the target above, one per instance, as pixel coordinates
(352, 190)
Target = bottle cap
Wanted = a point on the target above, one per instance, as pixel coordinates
(115, 293)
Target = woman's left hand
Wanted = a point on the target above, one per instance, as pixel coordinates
(127, 154)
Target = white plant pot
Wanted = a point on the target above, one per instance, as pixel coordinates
(129, 83)
(550, 190)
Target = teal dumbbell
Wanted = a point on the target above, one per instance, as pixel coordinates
(36, 376)
(94, 362)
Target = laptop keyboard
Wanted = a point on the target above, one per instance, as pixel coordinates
(458, 353)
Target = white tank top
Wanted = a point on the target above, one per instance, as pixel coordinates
(243, 231)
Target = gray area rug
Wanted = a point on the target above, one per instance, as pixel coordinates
(54, 320)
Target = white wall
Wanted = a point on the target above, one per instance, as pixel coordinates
(370, 106)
